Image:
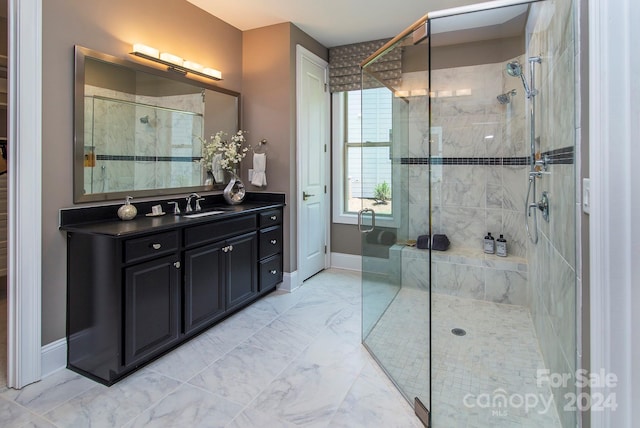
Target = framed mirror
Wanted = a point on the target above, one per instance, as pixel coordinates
(139, 130)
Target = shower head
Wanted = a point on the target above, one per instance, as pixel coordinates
(506, 98)
(514, 69)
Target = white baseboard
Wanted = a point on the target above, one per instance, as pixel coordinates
(289, 282)
(346, 261)
(54, 357)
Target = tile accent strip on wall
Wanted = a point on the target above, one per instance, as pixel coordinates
(148, 158)
(563, 156)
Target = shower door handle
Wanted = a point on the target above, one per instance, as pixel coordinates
(373, 220)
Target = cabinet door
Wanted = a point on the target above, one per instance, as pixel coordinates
(152, 303)
(203, 286)
(242, 266)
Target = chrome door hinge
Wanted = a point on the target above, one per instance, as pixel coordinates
(325, 148)
(325, 188)
(325, 249)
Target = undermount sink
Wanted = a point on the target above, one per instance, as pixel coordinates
(203, 214)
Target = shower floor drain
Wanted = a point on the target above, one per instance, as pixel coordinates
(458, 332)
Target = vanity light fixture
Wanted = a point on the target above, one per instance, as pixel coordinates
(174, 62)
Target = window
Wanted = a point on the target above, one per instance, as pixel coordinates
(362, 154)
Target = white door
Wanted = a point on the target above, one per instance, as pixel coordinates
(312, 147)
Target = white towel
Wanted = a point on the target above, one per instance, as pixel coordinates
(259, 177)
(216, 169)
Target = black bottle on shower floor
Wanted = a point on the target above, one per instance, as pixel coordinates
(489, 244)
(501, 246)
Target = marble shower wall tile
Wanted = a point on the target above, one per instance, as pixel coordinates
(503, 286)
(460, 280)
(464, 186)
(465, 227)
(553, 259)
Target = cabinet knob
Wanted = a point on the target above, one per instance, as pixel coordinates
(156, 246)
(273, 217)
(273, 272)
(230, 247)
(225, 249)
(177, 265)
(274, 242)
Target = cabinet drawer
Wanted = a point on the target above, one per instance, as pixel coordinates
(150, 246)
(270, 218)
(270, 241)
(270, 272)
(218, 230)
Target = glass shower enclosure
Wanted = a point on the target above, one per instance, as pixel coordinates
(476, 142)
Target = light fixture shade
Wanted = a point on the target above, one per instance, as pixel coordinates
(173, 59)
(193, 66)
(213, 73)
(174, 62)
(146, 50)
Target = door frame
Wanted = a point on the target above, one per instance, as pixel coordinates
(24, 273)
(302, 52)
(615, 193)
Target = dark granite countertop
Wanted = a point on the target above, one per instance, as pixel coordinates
(103, 220)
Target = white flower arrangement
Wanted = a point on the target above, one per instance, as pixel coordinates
(231, 152)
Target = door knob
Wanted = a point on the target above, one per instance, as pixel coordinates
(306, 195)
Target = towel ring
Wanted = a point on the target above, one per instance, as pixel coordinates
(260, 147)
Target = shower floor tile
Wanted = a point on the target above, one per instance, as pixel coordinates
(498, 357)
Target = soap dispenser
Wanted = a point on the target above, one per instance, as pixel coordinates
(127, 211)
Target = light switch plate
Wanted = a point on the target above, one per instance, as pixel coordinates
(586, 195)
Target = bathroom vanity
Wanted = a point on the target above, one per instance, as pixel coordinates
(138, 288)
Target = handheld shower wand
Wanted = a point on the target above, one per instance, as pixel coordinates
(514, 69)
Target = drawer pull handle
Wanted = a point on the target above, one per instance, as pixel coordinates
(273, 217)
(177, 265)
(156, 246)
(273, 272)
(274, 242)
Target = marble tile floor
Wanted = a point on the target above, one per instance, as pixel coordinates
(288, 360)
(498, 353)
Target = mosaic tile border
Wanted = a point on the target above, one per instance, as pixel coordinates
(564, 156)
(148, 158)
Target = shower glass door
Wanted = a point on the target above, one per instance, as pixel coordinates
(394, 195)
(502, 323)
(471, 116)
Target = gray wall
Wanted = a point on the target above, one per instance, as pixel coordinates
(111, 27)
(269, 100)
(259, 63)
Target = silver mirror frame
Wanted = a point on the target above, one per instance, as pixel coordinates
(80, 54)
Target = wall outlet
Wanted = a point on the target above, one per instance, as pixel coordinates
(586, 195)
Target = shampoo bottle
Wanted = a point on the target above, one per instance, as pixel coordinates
(501, 246)
(489, 244)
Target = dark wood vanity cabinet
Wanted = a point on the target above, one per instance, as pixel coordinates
(151, 308)
(131, 298)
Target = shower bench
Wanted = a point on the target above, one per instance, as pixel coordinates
(463, 272)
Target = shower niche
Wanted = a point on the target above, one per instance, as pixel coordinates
(473, 120)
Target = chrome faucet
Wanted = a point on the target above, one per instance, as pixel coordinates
(191, 196)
